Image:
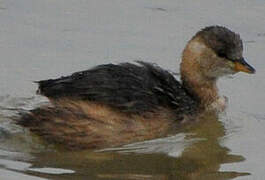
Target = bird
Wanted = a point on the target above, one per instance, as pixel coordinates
(111, 105)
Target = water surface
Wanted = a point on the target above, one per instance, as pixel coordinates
(41, 39)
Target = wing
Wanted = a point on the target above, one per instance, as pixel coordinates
(129, 87)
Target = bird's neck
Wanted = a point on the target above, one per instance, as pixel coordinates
(203, 88)
(205, 92)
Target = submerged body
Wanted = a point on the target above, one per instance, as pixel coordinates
(111, 105)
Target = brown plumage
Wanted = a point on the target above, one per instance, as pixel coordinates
(80, 125)
(111, 105)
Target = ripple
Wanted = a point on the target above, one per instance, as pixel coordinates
(11, 106)
(52, 170)
(172, 146)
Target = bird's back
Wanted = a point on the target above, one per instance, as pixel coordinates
(129, 87)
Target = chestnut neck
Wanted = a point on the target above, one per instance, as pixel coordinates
(200, 86)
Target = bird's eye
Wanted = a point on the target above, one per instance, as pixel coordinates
(222, 54)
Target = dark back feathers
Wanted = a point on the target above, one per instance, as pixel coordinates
(129, 87)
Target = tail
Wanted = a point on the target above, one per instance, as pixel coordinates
(39, 89)
(43, 85)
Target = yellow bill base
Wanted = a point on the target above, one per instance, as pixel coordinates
(243, 68)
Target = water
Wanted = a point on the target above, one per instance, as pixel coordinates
(41, 39)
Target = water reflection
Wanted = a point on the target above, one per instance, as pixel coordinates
(193, 153)
(199, 157)
(206, 157)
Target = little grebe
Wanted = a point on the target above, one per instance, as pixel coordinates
(111, 105)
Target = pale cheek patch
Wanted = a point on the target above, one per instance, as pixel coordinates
(222, 72)
(221, 68)
(231, 64)
(197, 47)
